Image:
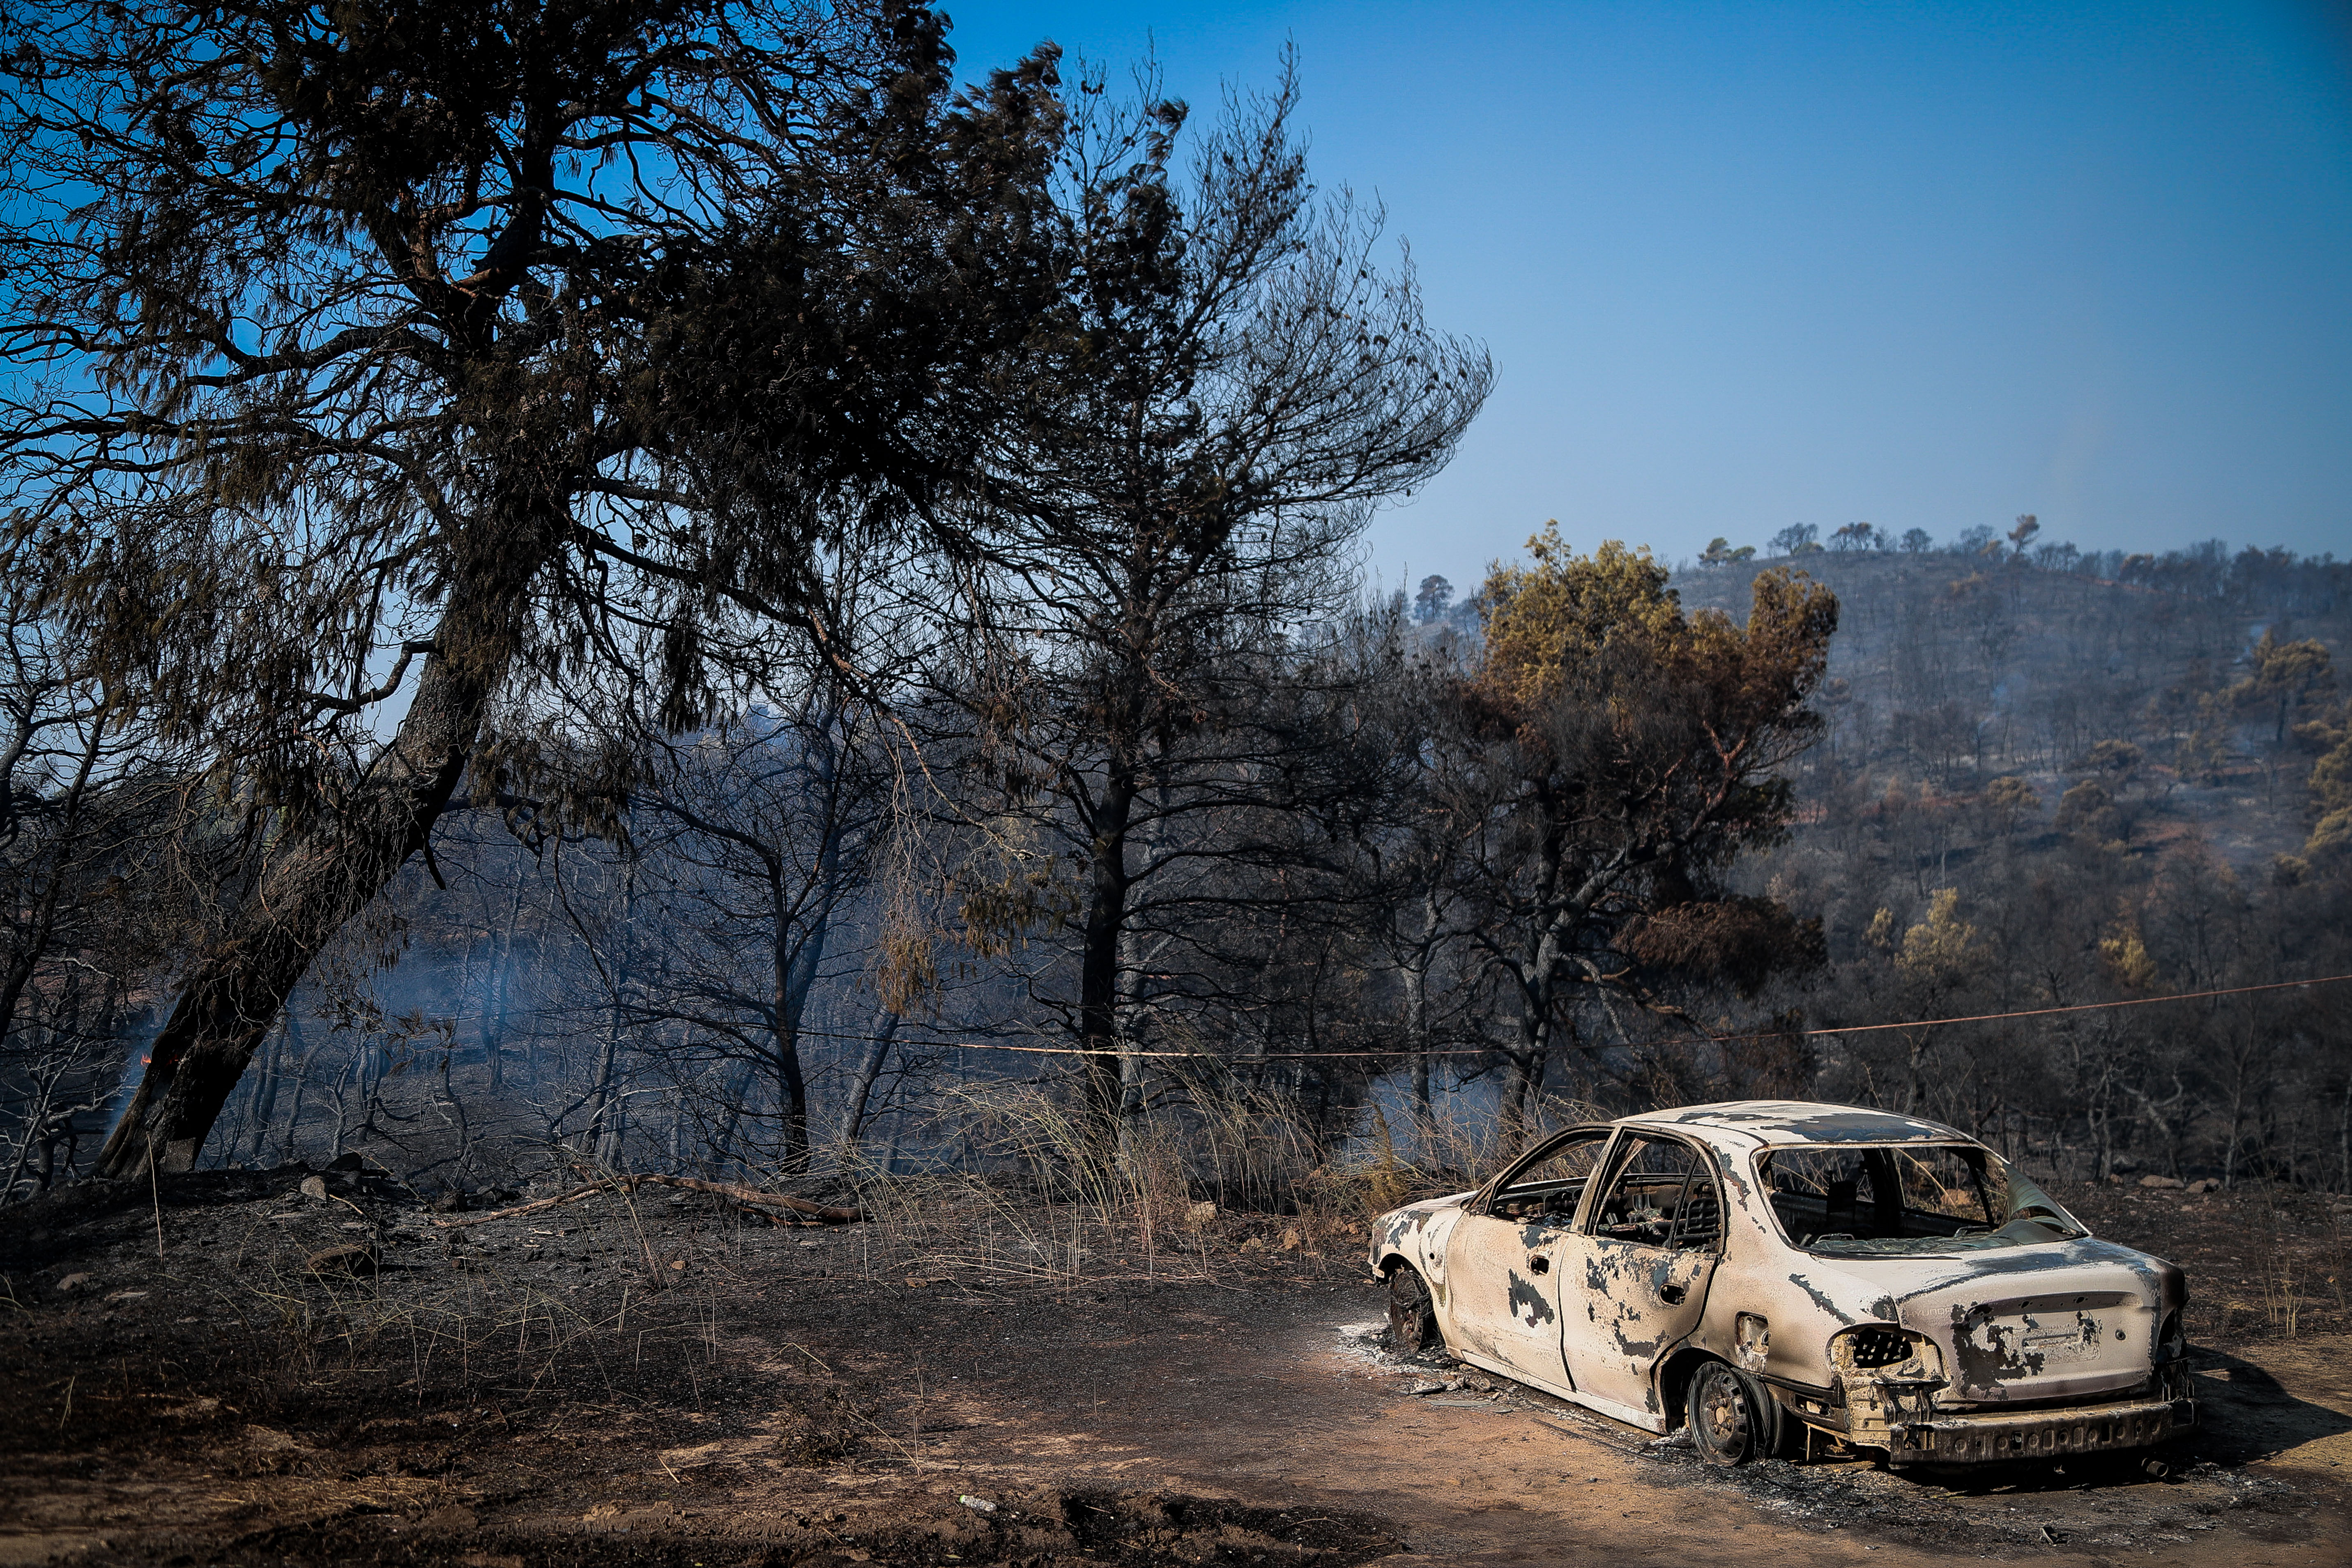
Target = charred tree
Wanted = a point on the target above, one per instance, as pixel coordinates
(1245, 382)
(417, 357)
(1626, 754)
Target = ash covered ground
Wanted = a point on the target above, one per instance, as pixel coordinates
(230, 1369)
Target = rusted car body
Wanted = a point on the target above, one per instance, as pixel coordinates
(1773, 1273)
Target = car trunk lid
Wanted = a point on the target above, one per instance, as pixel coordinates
(2050, 1323)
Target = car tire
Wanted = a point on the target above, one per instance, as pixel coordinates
(1412, 1315)
(1732, 1420)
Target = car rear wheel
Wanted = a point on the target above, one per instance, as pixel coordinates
(1412, 1316)
(1733, 1421)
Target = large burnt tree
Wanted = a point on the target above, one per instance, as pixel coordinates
(1245, 381)
(470, 342)
(1619, 756)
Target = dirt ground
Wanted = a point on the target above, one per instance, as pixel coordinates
(973, 1379)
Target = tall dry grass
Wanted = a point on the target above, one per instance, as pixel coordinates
(480, 1328)
(1213, 1167)
(1031, 1204)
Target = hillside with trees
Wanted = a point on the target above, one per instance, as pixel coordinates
(2050, 779)
(718, 602)
(1601, 835)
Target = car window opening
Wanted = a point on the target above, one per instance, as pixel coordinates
(1662, 1195)
(1549, 1189)
(1908, 1198)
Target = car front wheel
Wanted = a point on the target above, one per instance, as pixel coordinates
(1732, 1419)
(1412, 1316)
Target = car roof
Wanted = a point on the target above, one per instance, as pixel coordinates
(1756, 1123)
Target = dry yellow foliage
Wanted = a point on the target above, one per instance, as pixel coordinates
(1943, 948)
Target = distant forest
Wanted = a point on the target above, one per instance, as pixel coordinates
(2053, 777)
(723, 592)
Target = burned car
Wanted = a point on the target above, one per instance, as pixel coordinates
(1774, 1274)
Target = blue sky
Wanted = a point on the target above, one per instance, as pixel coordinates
(1922, 266)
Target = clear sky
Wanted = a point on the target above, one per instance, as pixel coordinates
(1924, 266)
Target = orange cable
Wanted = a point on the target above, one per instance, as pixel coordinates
(1685, 1040)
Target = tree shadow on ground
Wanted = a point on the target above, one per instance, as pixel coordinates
(2248, 1415)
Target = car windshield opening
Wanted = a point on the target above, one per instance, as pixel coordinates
(1903, 1198)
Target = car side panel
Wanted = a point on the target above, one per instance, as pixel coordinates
(1503, 1299)
(1630, 1306)
(1417, 1234)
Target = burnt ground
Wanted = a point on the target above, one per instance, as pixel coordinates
(974, 1379)
(2264, 1263)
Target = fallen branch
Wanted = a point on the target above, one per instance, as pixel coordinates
(764, 1203)
(560, 1198)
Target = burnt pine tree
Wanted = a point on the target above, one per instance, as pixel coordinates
(1245, 383)
(1623, 753)
(470, 344)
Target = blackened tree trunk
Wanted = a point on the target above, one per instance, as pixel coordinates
(1109, 883)
(334, 863)
(263, 1104)
(797, 958)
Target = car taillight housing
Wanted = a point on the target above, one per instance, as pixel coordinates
(1887, 1353)
(1868, 1348)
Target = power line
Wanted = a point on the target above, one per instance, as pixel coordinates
(2089, 1006)
(1683, 1040)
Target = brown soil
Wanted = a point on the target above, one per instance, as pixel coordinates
(974, 1381)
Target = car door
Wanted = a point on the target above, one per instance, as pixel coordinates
(1636, 1272)
(1501, 1298)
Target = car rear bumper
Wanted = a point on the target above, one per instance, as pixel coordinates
(2038, 1434)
